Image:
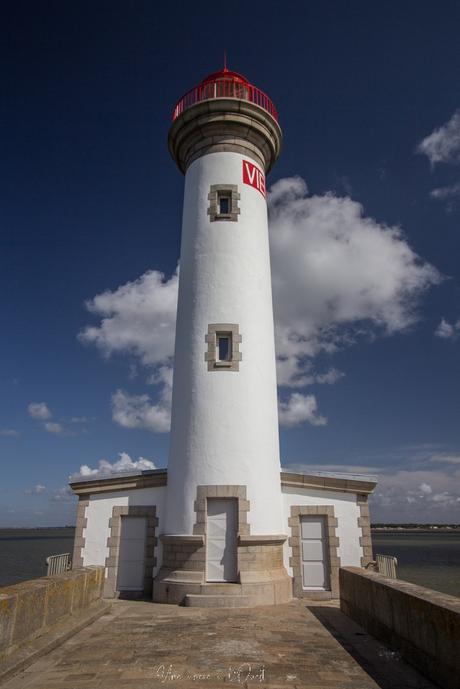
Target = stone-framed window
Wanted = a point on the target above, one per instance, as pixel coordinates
(223, 202)
(297, 511)
(223, 340)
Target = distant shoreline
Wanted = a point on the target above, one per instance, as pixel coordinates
(38, 529)
(396, 528)
(418, 529)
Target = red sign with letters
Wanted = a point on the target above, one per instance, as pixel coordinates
(253, 176)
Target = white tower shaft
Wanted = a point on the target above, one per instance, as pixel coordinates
(224, 422)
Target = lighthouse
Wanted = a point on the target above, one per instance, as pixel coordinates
(223, 525)
(223, 493)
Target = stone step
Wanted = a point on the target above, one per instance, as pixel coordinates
(221, 589)
(196, 600)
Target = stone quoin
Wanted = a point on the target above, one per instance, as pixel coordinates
(223, 525)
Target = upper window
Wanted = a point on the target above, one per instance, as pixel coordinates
(223, 352)
(223, 202)
(224, 346)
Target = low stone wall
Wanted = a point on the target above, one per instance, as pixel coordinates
(423, 625)
(34, 607)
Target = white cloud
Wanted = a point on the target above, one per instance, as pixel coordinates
(39, 410)
(36, 490)
(63, 494)
(443, 193)
(53, 427)
(447, 331)
(430, 492)
(445, 498)
(9, 432)
(138, 411)
(124, 463)
(443, 144)
(445, 458)
(298, 409)
(137, 318)
(78, 419)
(330, 377)
(337, 276)
(425, 488)
(293, 373)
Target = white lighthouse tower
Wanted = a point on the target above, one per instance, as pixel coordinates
(224, 514)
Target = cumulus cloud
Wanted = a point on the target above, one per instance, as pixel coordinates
(36, 490)
(138, 411)
(337, 276)
(137, 318)
(9, 432)
(53, 427)
(39, 410)
(78, 419)
(123, 464)
(443, 144)
(298, 409)
(448, 331)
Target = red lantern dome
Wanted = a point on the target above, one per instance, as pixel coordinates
(227, 75)
(225, 84)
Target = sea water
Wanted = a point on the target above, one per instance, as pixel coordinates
(427, 558)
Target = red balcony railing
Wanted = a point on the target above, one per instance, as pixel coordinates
(225, 88)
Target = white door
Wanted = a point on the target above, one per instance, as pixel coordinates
(221, 539)
(314, 553)
(131, 558)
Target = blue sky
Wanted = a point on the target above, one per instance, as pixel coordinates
(364, 238)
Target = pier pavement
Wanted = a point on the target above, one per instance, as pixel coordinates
(143, 645)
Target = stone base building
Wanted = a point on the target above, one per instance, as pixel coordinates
(326, 525)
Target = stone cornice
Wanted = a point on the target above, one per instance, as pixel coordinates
(120, 482)
(225, 124)
(159, 478)
(346, 485)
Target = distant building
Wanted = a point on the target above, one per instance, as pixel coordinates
(223, 525)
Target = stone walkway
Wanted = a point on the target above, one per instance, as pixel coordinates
(142, 645)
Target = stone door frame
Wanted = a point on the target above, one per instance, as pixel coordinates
(327, 511)
(113, 544)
